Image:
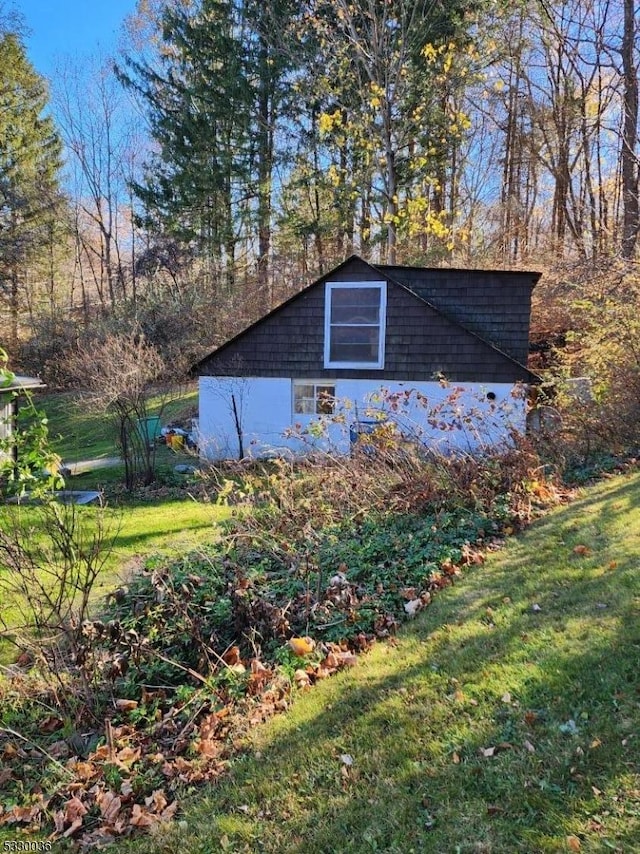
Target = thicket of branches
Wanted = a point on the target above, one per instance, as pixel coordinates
(283, 137)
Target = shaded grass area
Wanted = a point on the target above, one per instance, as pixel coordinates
(161, 526)
(505, 718)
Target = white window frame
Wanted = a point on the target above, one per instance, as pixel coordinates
(315, 384)
(381, 325)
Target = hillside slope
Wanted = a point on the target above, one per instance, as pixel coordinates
(505, 718)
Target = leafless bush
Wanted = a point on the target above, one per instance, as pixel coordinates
(51, 556)
(117, 376)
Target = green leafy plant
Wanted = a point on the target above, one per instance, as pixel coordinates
(27, 462)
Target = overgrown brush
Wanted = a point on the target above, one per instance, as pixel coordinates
(321, 558)
(592, 391)
(336, 547)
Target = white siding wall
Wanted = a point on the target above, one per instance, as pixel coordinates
(461, 418)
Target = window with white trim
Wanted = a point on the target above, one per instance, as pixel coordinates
(354, 324)
(313, 398)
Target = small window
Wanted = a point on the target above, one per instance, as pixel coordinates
(354, 333)
(313, 398)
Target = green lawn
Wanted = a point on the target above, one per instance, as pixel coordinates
(505, 719)
(79, 434)
(139, 529)
(167, 524)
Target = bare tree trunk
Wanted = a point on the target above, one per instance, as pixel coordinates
(629, 164)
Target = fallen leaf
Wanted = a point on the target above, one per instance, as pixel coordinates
(59, 750)
(208, 747)
(50, 724)
(110, 805)
(232, 656)
(127, 756)
(141, 817)
(301, 678)
(494, 809)
(101, 753)
(487, 752)
(157, 801)
(458, 696)
(506, 697)
(530, 718)
(21, 814)
(455, 758)
(74, 810)
(85, 770)
(346, 759)
(595, 743)
(573, 843)
(582, 551)
(126, 705)
(168, 812)
(75, 825)
(412, 608)
(528, 746)
(301, 646)
(331, 661)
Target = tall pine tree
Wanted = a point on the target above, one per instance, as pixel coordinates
(30, 159)
(213, 95)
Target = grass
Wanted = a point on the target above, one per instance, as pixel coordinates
(143, 527)
(139, 530)
(505, 719)
(79, 434)
(165, 525)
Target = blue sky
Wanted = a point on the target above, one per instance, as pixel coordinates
(64, 28)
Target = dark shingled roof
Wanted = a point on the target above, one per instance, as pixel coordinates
(468, 325)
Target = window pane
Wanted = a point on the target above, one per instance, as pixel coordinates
(325, 397)
(354, 344)
(305, 406)
(313, 398)
(355, 305)
(301, 390)
(303, 397)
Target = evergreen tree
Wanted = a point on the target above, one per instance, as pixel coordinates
(213, 95)
(30, 159)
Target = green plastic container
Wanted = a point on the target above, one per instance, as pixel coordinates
(149, 429)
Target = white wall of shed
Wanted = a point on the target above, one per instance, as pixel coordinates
(457, 416)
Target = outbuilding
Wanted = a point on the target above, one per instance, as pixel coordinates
(439, 353)
(10, 396)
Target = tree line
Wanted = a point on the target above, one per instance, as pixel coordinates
(234, 150)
